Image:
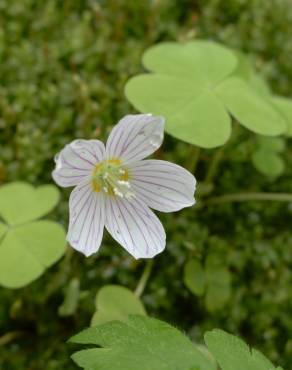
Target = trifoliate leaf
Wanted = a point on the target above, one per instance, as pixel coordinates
(114, 302)
(193, 86)
(27, 248)
(20, 202)
(194, 277)
(232, 353)
(212, 280)
(140, 343)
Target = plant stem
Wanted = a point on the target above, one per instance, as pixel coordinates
(144, 278)
(214, 165)
(244, 197)
(193, 158)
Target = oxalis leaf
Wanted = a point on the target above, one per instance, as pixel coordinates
(139, 343)
(194, 87)
(267, 157)
(114, 302)
(27, 246)
(233, 354)
(246, 71)
(213, 280)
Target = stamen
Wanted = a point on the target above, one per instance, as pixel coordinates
(118, 193)
(112, 178)
(125, 183)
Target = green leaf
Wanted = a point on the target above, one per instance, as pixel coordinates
(284, 106)
(194, 87)
(190, 110)
(27, 250)
(27, 247)
(194, 59)
(114, 302)
(218, 284)
(20, 202)
(266, 157)
(140, 343)
(3, 229)
(271, 144)
(250, 109)
(194, 277)
(70, 303)
(246, 71)
(267, 163)
(232, 353)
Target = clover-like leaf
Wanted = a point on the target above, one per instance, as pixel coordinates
(20, 202)
(284, 105)
(232, 353)
(194, 277)
(114, 302)
(267, 156)
(139, 343)
(194, 87)
(212, 280)
(247, 72)
(250, 109)
(27, 247)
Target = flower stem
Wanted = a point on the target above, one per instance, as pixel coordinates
(214, 165)
(193, 158)
(245, 197)
(144, 278)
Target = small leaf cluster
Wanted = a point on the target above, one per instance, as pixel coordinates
(27, 246)
(197, 86)
(212, 280)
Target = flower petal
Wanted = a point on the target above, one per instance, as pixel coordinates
(162, 185)
(87, 215)
(76, 161)
(132, 224)
(135, 137)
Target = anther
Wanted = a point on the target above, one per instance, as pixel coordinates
(118, 193)
(125, 183)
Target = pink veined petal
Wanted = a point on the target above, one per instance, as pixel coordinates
(135, 227)
(76, 161)
(87, 218)
(135, 137)
(162, 185)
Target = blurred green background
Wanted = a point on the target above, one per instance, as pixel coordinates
(63, 68)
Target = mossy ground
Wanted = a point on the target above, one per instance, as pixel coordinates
(63, 68)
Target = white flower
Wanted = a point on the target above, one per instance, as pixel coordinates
(115, 187)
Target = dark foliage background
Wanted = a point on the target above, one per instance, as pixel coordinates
(63, 68)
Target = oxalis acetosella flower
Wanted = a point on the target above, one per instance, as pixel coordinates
(115, 187)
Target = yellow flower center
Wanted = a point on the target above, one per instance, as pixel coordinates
(112, 177)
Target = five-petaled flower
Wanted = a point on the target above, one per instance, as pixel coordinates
(115, 187)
